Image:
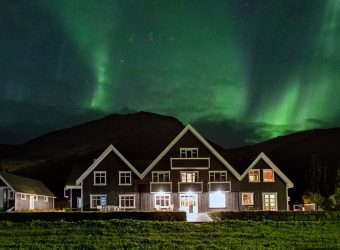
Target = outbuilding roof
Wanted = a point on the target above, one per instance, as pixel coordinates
(25, 185)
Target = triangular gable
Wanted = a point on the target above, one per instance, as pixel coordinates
(6, 182)
(110, 149)
(200, 138)
(270, 164)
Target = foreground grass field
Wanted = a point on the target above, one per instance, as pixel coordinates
(126, 234)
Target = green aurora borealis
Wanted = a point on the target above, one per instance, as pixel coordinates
(258, 69)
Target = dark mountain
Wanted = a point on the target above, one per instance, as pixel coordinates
(310, 159)
(50, 158)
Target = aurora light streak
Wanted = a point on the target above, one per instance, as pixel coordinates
(261, 68)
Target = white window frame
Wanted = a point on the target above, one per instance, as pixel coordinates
(45, 199)
(157, 175)
(252, 199)
(100, 176)
(183, 152)
(268, 169)
(23, 196)
(162, 196)
(120, 178)
(186, 178)
(11, 195)
(263, 201)
(212, 174)
(121, 196)
(35, 198)
(259, 175)
(96, 195)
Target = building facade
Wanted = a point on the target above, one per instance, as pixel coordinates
(21, 193)
(188, 175)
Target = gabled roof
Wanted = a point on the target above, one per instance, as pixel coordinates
(109, 149)
(272, 165)
(200, 138)
(25, 185)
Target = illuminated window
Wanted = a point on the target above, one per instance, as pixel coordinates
(217, 200)
(269, 201)
(254, 175)
(247, 198)
(188, 152)
(97, 200)
(127, 201)
(125, 178)
(189, 176)
(99, 178)
(217, 176)
(268, 175)
(160, 176)
(162, 200)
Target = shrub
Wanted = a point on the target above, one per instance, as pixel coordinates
(281, 215)
(77, 216)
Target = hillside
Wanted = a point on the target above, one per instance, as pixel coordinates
(142, 136)
(298, 155)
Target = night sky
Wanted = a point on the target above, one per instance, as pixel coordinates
(239, 71)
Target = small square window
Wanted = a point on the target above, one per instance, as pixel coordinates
(125, 178)
(217, 176)
(99, 178)
(97, 200)
(160, 176)
(23, 196)
(35, 198)
(268, 175)
(188, 153)
(127, 201)
(45, 199)
(247, 199)
(254, 175)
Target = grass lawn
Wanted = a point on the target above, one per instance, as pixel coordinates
(126, 234)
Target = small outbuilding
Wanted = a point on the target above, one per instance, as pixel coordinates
(22, 193)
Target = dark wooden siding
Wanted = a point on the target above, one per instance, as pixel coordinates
(112, 164)
(190, 141)
(258, 188)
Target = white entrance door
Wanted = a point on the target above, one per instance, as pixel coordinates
(189, 203)
(270, 201)
(1, 198)
(31, 202)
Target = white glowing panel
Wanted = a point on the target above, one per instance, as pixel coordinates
(217, 200)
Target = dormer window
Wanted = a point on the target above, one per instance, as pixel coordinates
(99, 178)
(189, 176)
(160, 176)
(268, 175)
(254, 175)
(188, 152)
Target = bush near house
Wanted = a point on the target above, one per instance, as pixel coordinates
(280, 215)
(77, 216)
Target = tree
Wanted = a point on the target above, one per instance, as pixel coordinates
(313, 198)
